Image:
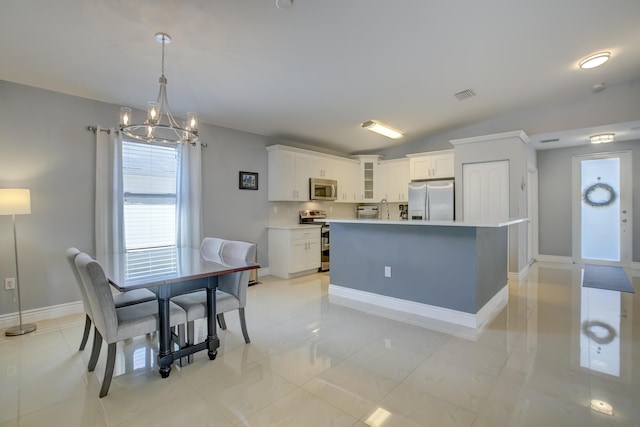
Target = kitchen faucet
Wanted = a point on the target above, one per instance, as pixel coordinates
(380, 208)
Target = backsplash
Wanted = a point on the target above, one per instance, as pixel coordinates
(286, 213)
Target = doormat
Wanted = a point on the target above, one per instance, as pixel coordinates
(606, 277)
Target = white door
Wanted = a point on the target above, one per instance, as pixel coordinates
(485, 191)
(602, 208)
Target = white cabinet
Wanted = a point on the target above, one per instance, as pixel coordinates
(485, 191)
(368, 178)
(294, 251)
(348, 177)
(288, 178)
(433, 165)
(393, 180)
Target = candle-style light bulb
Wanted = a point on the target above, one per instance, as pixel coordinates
(125, 116)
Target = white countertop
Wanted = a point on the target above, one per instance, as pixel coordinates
(295, 226)
(442, 223)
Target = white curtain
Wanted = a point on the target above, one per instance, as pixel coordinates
(108, 204)
(189, 204)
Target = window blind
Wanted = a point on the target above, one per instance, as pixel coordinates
(150, 185)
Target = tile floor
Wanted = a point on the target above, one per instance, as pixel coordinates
(314, 363)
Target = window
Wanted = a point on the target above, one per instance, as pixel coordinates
(149, 174)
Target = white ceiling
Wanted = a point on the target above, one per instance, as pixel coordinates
(313, 72)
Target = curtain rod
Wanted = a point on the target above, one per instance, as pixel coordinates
(94, 129)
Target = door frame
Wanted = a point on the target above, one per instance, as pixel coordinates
(626, 240)
(532, 214)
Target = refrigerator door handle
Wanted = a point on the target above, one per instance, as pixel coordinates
(427, 213)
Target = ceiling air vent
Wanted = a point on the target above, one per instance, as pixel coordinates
(465, 94)
(546, 141)
(635, 129)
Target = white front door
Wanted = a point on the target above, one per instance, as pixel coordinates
(602, 208)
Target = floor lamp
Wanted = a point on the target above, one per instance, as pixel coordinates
(16, 201)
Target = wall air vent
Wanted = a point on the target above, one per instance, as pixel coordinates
(546, 141)
(465, 94)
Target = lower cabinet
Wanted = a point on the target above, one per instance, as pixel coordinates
(294, 251)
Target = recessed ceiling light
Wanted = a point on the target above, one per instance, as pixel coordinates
(602, 138)
(385, 130)
(594, 61)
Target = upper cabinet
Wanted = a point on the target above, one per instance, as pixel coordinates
(368, 178)
(288, 175)
(348, 176)
(290, 169)
(433, 165)
(393, 180)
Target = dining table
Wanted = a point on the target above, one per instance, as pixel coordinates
(169, 272)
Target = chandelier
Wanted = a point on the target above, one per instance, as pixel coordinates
(160, 125)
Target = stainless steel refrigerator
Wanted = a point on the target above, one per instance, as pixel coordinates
(432, 200)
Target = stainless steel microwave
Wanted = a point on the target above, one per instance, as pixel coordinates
(323, 189)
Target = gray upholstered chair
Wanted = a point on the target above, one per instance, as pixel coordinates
(117, 324)
(211, 247)
(120, 300)
(232, 288)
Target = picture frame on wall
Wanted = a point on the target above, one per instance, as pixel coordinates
(248, 180)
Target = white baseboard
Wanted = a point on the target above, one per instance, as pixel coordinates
(417, 313)
(39, 314)
(554, 258)
(519, 276)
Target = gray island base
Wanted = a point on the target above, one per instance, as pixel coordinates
(447, 276)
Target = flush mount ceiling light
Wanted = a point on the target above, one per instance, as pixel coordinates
(160, 125)
(601, 406)
(595, 60)
(385, 130)
(602, 138)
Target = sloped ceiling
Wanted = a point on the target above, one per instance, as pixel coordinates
(314, 71)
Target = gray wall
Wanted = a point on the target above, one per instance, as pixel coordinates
(44, 146)
(554, 196)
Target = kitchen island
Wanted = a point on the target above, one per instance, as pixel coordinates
(452, 272)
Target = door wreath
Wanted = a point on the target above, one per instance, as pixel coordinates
(592, 190)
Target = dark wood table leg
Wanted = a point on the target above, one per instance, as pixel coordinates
(213, 342)
(165, 356)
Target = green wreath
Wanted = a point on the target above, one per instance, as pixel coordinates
(588, 193)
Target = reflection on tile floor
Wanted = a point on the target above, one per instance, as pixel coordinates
(556, 355)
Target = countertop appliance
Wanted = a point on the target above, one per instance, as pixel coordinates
(367, 212)
(323, 189)
(309, 217)
(431, 200)
(404, 214)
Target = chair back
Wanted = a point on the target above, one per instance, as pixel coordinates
(71, 254)
(210, 247)
(236, 283)
(99, 295)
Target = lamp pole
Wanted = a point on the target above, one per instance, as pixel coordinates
(26, 328)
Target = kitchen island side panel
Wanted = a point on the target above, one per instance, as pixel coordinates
(492, 262)
(429, 265)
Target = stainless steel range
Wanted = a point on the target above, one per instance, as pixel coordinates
(309, 217)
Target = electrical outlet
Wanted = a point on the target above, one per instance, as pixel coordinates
(387, 271)
(9, 283)
(275, 209)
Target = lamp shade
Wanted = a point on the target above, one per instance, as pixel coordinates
(15, 201)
